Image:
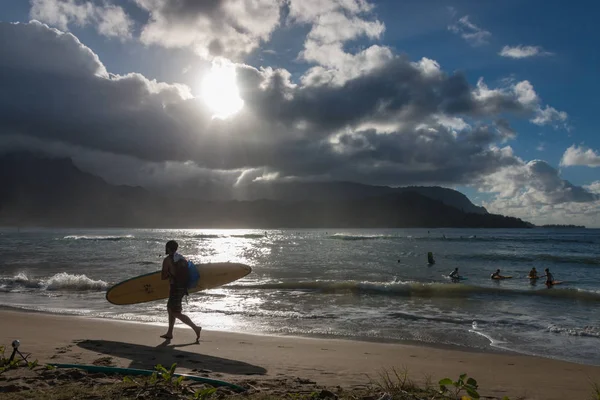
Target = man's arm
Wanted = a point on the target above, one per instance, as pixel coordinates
(166, 271)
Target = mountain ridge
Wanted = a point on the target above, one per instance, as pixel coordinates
(46, 191)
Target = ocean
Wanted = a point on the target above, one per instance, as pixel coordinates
(365, 284)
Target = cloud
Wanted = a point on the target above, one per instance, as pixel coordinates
(575, 155)
(473, 34)
(523, 51)
(108, 19)
(541, 147)
(399, 122)
(535, 191)
(504, 129)
(593, 187)
(228, 28)
(334, 23)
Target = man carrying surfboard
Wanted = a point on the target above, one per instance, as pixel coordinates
(175, 268)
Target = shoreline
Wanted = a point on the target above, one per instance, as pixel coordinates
(360, 339)
(491, 349)
(328, 362)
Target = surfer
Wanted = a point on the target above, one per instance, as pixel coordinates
(496, 275)
(533, 274)
(430, 259)
(175, 269)
(549, 277)
(454, 274)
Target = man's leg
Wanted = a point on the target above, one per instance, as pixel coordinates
(169, 334)
(186, 320)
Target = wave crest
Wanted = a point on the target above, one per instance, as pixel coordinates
(61, 281)
(94, 237)
(416, 289)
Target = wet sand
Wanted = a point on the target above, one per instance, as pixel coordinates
(328, 362)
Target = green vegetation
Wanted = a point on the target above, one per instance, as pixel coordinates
(21, 379)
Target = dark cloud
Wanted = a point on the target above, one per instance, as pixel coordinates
(383, 125)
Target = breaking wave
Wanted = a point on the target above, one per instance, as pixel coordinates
(339, 236)
(249, 236)
(61, 281)
(439, 237)
(99, 238)
(559, 259)
(588, 331)
(416, 289)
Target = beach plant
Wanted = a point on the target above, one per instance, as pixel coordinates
(395, 382)
(454, 388)
(595, 391)
(204, 394)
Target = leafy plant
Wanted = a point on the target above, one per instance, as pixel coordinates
(453, 388)
(32, 364)
(204, 393)
(596, 391)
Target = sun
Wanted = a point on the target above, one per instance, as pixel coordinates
(220, 91)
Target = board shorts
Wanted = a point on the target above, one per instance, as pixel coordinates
(175, 297)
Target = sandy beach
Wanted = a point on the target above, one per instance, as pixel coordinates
(236, 357)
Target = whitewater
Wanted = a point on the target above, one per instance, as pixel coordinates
(365, 284)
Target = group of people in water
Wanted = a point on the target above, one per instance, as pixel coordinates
(533, 276)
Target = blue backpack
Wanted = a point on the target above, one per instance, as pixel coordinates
(193, 275)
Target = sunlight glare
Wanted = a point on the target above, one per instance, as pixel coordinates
(220, 91)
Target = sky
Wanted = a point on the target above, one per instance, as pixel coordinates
(496, 99)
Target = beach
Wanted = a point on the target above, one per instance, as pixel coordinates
(236, 357)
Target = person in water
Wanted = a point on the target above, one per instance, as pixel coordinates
(454, 274)
(533, 274)
(549, 277)
(175, 269)
(496, 275)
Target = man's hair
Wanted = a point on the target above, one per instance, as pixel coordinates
(172, 245)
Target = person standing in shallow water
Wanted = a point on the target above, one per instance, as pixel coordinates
(175, 269)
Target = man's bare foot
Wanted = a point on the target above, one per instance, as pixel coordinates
(165, 336)
(198, 333)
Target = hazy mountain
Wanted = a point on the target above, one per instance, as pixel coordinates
(54, 192)
(325, 191)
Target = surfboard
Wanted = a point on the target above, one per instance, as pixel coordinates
(461, 278)
(503, 277)
(150, 287)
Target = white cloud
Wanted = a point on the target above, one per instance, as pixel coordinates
(522, 93)
(333, 23)
(108, 19)
(428, 66)
(547, 115)
(535, 192)
(227, 28)
(473, 34)
(523, 51)
(575, 155)
(593, 187)
(541, 147)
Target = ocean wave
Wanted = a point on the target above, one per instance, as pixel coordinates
(207, 236)
(415, 289)
(588, 331)
(58, 282)
(551, 258)
(94, 237)
(249, 236)
(340, 236)
(469, 238)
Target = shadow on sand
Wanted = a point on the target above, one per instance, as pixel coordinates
(146, 357)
